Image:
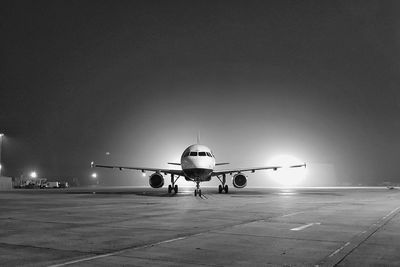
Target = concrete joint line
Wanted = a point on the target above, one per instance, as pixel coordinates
(341, 253)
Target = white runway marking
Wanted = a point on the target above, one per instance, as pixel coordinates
(339, 249)
(341, 253)
(84, 259)
(294, 213)
(167, 241)
(145, 246)
(304, 226)
(118, 252)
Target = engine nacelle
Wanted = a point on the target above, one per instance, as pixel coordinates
(156, 180)
(239, 180)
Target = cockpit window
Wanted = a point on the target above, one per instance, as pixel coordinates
(208, 154)
(193, 153)
(202, 154)
(186, 154)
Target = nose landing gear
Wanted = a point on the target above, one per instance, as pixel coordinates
(197, 191)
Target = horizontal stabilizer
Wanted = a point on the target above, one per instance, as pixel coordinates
(174, 163)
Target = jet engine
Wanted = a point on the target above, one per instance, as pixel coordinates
(239, 180)
(156, 180)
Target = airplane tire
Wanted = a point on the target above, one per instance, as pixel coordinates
(169, 189)
(220, 189)
(226, 189)
(199, 192)
(176, 189)
(195, 193)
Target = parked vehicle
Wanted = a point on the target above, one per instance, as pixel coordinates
(53, 184)
(64, 185)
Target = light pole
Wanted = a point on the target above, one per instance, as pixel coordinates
(1, 142)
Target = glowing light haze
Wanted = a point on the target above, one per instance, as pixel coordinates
(287, 176)
(131, 82)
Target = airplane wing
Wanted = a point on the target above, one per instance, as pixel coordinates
(230, 171)
(143, 169)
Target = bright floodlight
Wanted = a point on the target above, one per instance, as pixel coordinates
(287, 176)
(94, 175)
(1, 134)
(33, 174)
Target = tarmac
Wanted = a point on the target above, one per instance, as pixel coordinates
(247, 227)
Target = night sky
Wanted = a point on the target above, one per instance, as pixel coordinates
(318, 80)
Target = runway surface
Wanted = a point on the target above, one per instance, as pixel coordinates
(247, 227)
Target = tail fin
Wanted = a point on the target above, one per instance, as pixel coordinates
(198, 137)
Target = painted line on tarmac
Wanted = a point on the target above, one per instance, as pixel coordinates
(339, 249)
(144, 246)
(294, 213)
(120, 251)
(166, 241)
(84, 259)
(341, 253)
(304, 226)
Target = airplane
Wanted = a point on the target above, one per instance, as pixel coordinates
(197, 165)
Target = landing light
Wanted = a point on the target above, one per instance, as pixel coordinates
(94, 175)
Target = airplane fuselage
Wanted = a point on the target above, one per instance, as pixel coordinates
(197, 162)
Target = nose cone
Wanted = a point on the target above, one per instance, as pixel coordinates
(197, 160)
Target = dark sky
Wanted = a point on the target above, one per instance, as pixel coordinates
(315, 79)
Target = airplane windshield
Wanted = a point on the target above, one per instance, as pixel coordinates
(193, 153)
(208, 154)
(202, 154)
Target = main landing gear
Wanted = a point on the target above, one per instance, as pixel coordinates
(223, 187)
(173, 186)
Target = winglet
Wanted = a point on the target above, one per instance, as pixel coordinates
(198, 137)
(92, 165)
